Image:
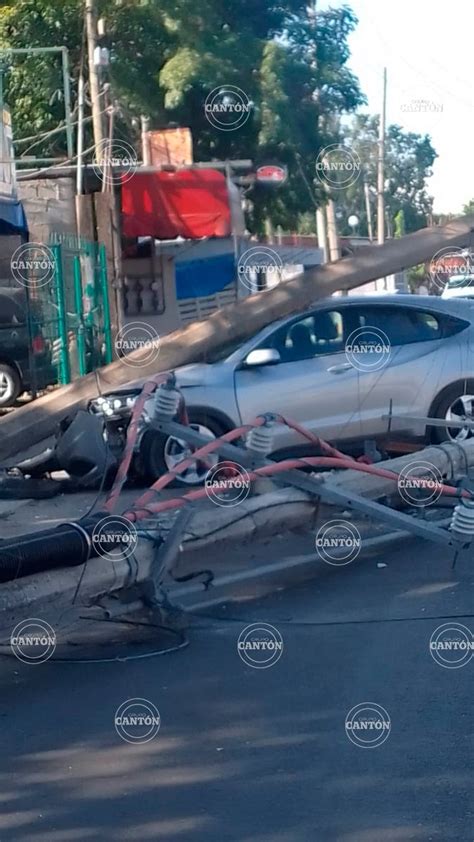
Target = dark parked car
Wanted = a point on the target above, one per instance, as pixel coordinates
(25, 355)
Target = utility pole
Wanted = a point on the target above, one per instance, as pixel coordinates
(326, 226)
(321, 232)
(380, 166)
(108, 173)
(80, 134)
(381, 173)
(334, 251)
(368, 210)
(145, 128)
(94, 81)
(80, 152)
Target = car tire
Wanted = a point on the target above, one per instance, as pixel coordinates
(456, 400)
(156, 449)
(10, 385)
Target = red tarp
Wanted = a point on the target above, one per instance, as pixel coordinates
(189, 203)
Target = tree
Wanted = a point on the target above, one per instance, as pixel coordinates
(408, 161)
(167, 56)
(33, 84)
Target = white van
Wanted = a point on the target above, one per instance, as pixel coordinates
(459, 286)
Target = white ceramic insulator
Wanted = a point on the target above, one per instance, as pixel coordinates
(260, 439)
(462, 520)
(166, 402)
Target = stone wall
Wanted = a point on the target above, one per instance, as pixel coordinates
(49, 205)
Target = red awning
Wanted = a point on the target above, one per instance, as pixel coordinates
(186, 203)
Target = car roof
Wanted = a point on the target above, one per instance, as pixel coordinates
(428, 302)
(453, 306)
(381, 300)
(392, 298)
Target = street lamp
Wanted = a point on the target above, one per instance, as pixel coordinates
(354, 223)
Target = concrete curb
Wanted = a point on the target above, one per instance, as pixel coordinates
(264, 579)
(43, 595)
(53, 592)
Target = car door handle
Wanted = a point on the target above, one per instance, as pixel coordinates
(338, 369)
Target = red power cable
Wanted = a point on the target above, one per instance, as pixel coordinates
(329, 462)
(324, 445)
(132, 433)
(143, 506)
(201, 452)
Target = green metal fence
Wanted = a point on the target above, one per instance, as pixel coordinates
(69, 311)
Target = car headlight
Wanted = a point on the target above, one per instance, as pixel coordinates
(112, 405)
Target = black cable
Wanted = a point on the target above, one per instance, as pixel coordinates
(107, 453)
(375, 621)
(184, 642)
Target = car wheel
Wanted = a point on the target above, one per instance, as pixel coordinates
(160, 453)
(457, 404)
(10, 385)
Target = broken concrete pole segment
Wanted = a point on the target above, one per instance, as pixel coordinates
(255, 518)
(38, 420)
(447, 461)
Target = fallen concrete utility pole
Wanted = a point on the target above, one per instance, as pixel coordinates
(262, 516)
(38, 420)
(257, 517)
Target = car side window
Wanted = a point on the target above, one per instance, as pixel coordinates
(320, 333)
(9, 312)
(401, 325)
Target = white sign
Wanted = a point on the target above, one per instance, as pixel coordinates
(7, 158)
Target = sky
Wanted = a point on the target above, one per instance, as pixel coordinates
(427, 50)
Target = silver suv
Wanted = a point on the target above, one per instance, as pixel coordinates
(336, 369)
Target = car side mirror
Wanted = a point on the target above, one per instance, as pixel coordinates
(262, 356)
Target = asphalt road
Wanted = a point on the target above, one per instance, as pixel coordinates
(260, 755)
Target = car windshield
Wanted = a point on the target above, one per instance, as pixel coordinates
(460, 281)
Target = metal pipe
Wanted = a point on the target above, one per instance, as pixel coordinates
(80, 136)
(66, 82)
(81, 341)
(67, 101)
(200, 165)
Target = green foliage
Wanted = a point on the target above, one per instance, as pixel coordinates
(167, 55)
(417, 275)
(409, 158)
(399, 224)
